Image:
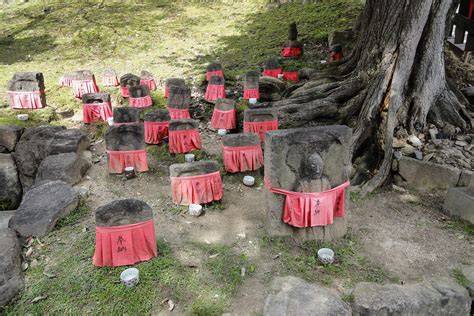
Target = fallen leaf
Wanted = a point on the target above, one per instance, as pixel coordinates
(213, 256)
(24, 266)
(29, 252)
(38, 298)
(49, 275)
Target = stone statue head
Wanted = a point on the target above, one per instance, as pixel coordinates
(313, 166)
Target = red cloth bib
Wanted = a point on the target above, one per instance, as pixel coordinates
(80, 87)
(335, 56)
(65, 81)
(209, 74)
(93, 112)
(312, 209)
(223, 119)
(291, 51)
(110, 81)
(197, 189)
(243, 158)
(119, 160)
(124, 245)
(260, 128)
(124, 91)
(141, 102)
(25, 99)
(214, 92)
(252, 94)
(272, 72)
(150, 83)
(290, 75)
(179, 114)
(155, 132)
(166, 92)
(184, 141)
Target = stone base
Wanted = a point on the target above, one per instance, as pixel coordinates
(460, 202)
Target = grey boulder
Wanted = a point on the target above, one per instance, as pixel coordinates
(42, 206)
(10, 187)
(9, 137)
(11, 277)
(69, 167)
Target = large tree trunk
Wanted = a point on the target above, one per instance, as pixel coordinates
(394, 77)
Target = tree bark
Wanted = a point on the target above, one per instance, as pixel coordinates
(394, 77)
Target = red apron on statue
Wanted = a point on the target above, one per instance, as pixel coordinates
(110, 81)
(214, 92)
(243, 158)
(290, 75)
(141, 102)
(65, 81)
(119, 160)
(155, 132)
(81, 87)
(209, 74)
(184, 141)
(179, 114)
(223, 119)
(93, 112)
(312, 209)
(150, 83)
(272, 72)
(25, 99)
(291, 52)
(124, 245)
(124, 92)
(197, 189)
(260, 128)
(252, 94)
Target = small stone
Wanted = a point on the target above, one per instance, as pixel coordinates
(399, 189)
(460, 143)
(397, 154)
(397, 143)
(428, 157)
(408, 150)
(437, 142)
(419, 155)
(34, 263)
(433, 132)
(415, 141)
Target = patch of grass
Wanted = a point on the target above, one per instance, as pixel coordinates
(460, 277)
(301, 259)
(355, 196)
(460, 225)
(81, 210)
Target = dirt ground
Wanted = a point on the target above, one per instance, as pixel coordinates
(405, 233)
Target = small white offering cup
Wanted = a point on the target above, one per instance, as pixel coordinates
(280, 76)
(129, 172)
(324, 61)
(253, 101)
(22, 117)
(249, 181)
(189, 157)
(326, 255)
(195, 209)
(130, 277)
(221, 132)
(110, 121)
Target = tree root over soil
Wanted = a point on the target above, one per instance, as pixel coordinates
(394, 77)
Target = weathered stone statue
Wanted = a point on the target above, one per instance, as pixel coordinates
(307, 160)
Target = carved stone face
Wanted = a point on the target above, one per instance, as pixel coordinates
(314, 166)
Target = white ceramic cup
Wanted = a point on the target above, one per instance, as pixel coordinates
(110, 121)
(221, 131)
(195, 209)
(326, 255)
(253, 101)
(189, 157)
(249, 181)
(130, 277)
(280, 76)
(22, 117)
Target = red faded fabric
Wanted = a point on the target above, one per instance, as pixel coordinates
(243, 158)
(93, 112)
(155, 132)
(179, 114)
(312, 209)
(197, 189)
(184, 141)
(223, 119)
(141, 102)
(214, 92)
(124, 245)
(65, 81)
(272, 72)
(335, 56)
(290, 75)
(252, 94)
(25, 99)
(124, 92)
(291, 51)
(150, 83)
(260, 128)
(119, 160)
(80, 87)
(166, 92)
(110, 81)
(209, 74)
